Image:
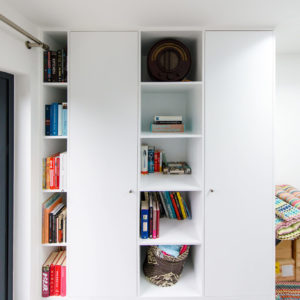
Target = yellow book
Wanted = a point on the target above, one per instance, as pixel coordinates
(181, 205)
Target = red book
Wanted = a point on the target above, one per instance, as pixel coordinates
(157, 220)
(52, 172)
(63, 278)
(56, 171)
(46, 274)
(57, 274)
(175, 206)
(156, 161)
(52, 273)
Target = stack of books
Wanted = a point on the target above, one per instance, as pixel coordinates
(54, 219)
(155, 205)
(54, 274)
(55, 172)
(167, 124)
(56, 119)
(55, 66)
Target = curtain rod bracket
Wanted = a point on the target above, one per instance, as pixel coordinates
(29, 45)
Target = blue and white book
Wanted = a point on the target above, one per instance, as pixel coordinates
(145, 217)
(60, 119)
(54, 119)
(64, 119)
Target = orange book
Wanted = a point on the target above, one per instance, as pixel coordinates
(47, 207)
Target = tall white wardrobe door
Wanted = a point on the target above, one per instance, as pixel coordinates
(103, 164)
(239, 211)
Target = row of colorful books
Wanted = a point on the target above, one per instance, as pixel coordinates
(55, 171)
(54, 219)
(156, 205)
(152, 159)
(56, 119)
(167, 124)
(54, 274)
(55, 66)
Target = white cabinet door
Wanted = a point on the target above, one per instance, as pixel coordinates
(239, 212)
(103, 164)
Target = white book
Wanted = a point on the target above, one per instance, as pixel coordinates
(60, 119)
(144, 159)
(167, 118)
(63, 171)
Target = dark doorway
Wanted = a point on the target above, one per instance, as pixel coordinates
(6, 184)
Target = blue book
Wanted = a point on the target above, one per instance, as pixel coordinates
(170, 206)
(64, 119)
(145, 218)
(151, 159)
(54, 119)
(47, 119)
(60, 119)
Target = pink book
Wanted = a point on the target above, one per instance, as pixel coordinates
(63, 278)
(46, 274)
(155, 219)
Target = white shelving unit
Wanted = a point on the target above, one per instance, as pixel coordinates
(50, 92)
(175, 98)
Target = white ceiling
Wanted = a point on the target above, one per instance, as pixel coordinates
(284, 15)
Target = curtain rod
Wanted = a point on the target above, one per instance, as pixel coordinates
(29, 45)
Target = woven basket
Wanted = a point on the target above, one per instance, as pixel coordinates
(163, 270)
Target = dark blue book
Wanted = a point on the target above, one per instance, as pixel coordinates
(54, 119)
(47, 119)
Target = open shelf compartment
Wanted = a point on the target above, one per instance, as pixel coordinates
(190, 283)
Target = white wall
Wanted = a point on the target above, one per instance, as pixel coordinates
(17, 60)
(287, 120)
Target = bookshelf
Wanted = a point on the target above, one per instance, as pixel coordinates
(175, 98)
(50, 92)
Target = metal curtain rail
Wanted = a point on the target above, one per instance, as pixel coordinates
(29, 45)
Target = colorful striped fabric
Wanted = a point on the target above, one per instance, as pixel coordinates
(287, 290)
(287, 221)
(287, 197)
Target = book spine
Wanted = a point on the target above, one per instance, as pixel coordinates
(160, 161)
(50, 240)
(178, 205)
(54, 119)
(167, 128)
(54, 66)
(45, 62)
(60, 121)
(188, 212)
(167, 118)
(57, 279)
(52, 172)
(181, 205)
(63, 281)
(144, 223)
(175, 206)
(170, 205)
(51, 284)
(51, 119)
(59, 66)
(144, 159)
(157, 221)
(168, 122)
(49, 78)
(150, 216)
(162, 199)
(64, 62)
(48, 173)
(56, 176)
(44, 172)
(60, 229)
(156, 161)
(47, 119)
(45, 281)
(151, 159)
(65, 119)
(154, 218)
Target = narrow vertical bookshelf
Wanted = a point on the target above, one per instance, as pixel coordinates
(184, 98)
(51, 92)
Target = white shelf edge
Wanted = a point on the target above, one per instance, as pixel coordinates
(170, 83)
(54, 191)
(55, 245)
(162, 241)
(55, 137)
(55, 84)
(173, 135)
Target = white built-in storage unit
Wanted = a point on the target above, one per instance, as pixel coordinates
(227, 111)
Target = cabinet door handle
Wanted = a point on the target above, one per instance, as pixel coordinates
(212, 190)
(130, 191)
